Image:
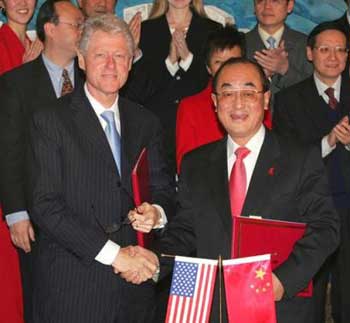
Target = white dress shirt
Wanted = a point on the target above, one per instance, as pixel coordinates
(254, 145)
(264, 36)
(111, 249)
(326, 149)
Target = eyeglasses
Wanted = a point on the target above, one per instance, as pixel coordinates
(326, 50)
(77, 25)
(273, 2)
(246, 95)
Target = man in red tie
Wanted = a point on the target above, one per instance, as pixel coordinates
(316, 111)
(252, 171)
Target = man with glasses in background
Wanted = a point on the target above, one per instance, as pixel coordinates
(279, 49)
(23, 91)
(316, 111)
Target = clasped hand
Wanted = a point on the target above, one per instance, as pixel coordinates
(273, 61)
(136, 264)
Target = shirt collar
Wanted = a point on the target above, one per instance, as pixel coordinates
(56, 70)
(254, 144)
(98, 107)
(321, 87)
(264, 35)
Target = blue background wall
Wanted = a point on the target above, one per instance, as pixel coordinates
(306, 14)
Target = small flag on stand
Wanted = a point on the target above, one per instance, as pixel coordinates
(191, 290)
(249, 290)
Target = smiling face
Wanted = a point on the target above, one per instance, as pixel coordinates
(242, 112)
(97, 7)
(106, 62)
(271, 14)
(18, 11)
(328, 66)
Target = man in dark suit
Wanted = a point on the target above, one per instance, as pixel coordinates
(280, 50)
(23, 91)
(297, 190)
(82, 153)
(316, 111)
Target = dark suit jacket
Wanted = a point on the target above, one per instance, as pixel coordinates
(297, 191)
(78, 196)
(150, 82)
(295, 44)
(22, 91)
(302, 114)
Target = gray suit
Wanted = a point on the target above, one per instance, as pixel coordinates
(295, 44)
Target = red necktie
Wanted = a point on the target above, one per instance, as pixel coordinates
(332, 100)
(238, 181)
(238, 184)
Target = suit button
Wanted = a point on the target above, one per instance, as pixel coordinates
(178, 78)
(176, 101)
(119, 184)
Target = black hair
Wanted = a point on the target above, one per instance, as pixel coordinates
(47, 13)
(328, 25)
(242, 60)
(223, 38)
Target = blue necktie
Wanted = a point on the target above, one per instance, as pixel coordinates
(271, 41)
(112, 136)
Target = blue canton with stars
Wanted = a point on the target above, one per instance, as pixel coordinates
(184, 279)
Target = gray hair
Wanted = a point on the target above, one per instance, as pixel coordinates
(108, 23)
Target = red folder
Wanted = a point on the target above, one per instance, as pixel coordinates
(260, 236)
(140, 187)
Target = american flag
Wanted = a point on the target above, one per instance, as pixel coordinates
(191, 291)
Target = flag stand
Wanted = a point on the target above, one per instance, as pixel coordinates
(220, 289)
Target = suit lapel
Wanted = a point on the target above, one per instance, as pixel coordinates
(262, 180)
(131, 142)
(314, 105)
(89, 125)
(45, 90)
(218, 179)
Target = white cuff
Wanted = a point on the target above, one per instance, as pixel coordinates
(172, 68)
(185, 64)
(108, 253)
(163, 219)
(325, 147)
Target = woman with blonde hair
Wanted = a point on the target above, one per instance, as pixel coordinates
(172, 65)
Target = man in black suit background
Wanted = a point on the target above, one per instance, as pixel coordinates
(280, 50)
(316, 111)
(82, 153)
(295, 178)
(22, 91)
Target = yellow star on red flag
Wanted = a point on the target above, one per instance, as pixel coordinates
(260, 273)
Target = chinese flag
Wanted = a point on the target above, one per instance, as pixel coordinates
(249, 292)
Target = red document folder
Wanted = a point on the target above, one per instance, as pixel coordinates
(261, 236)
(140, 187)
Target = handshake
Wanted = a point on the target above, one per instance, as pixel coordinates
(136, 264)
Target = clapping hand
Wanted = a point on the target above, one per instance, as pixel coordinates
(136, 264)
(342, 131)
(32, 50)
(180, 44)
(135, 29)
(273, 61)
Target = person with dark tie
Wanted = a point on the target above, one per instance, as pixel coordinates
(23, 91)
(81, 155)
(230, 177)
(280, 50)
(316, 112)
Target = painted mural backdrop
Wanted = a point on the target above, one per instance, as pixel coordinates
(306, 14)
